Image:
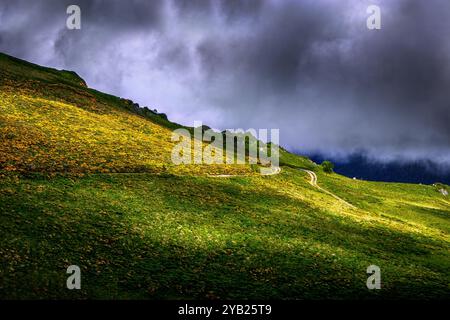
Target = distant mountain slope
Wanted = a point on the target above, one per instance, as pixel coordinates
(361, 167)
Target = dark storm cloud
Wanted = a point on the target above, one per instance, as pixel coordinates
(310, 68)
(236, 9)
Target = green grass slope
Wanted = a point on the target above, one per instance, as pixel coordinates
(159, 232)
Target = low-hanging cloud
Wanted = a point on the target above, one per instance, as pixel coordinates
(310, 68)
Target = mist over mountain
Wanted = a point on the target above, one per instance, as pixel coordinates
(361, 166)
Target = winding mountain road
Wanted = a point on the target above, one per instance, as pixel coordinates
(313, 182)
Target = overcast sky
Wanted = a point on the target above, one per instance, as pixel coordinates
(308, 67)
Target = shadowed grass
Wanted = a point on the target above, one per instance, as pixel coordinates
(147, 236)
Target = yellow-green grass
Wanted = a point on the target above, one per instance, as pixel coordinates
(41, 135)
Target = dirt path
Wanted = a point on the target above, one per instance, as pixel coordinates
(273, 171)
(313, 182)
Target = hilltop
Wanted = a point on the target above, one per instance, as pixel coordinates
(86, 179)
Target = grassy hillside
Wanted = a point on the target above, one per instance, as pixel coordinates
(50, 122)
(156, 231)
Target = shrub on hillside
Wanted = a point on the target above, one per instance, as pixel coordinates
(327, 166)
